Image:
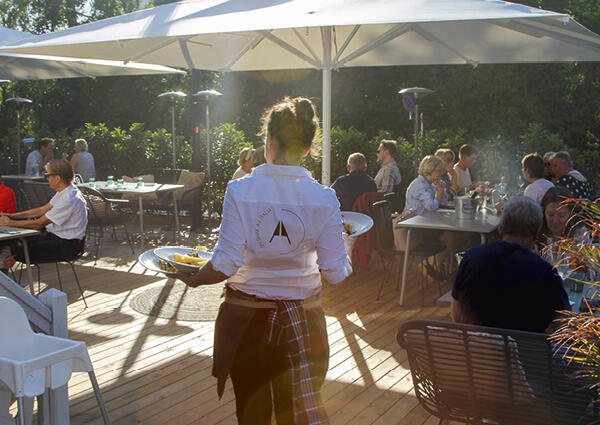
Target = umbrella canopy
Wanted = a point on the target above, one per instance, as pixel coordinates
(235, 35)
(15, 66)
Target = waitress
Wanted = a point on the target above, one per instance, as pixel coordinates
(280, 230)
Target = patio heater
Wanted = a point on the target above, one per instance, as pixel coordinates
(173, 95)
(19, 102)
(209, 95)
(414, 94)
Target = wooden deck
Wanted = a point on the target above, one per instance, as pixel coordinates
(156, 371)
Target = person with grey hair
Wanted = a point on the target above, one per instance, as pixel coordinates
(565, 176)
(547, 167)
(350, 186)
(82, 161)
(504, 284)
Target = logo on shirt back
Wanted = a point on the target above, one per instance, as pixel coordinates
(281, 231)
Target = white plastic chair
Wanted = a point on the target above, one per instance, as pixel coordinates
(30, 363)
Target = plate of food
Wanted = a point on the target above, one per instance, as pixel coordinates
(153, 263)
(355, 224)
(183, 258)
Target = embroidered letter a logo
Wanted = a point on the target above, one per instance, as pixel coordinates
(280, 230)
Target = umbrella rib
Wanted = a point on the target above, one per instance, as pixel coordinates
(430, 37)
(289, 48)
(536, 29)
(390, 34)
(249, 47)
(346, 42)
(186, 53)
(151, 49)
(303, 41)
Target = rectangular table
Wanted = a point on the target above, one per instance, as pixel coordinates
(8, 233)
(445, 220)
(147, 188)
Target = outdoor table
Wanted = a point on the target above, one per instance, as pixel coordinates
(23, 177)
(7, 233)
(445, 220)
(140, 192)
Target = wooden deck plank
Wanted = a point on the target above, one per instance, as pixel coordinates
(156, 371)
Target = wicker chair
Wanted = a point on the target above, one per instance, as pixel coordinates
(481, 375)
(102, 214)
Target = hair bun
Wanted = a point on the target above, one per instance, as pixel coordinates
(304, 108)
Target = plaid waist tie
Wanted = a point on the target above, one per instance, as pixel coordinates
(287, 325)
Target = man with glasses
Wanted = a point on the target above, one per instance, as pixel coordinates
(388, 175)
(64, 219)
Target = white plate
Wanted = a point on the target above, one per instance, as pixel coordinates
(149, 260)
(358, 223)
(166, 253)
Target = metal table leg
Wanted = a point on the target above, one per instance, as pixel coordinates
(141, 206)
(28, 264)
(406, 252)
(176, 230)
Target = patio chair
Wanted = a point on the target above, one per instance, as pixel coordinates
(37, 193)
(31, 363)
(393, 201)
(382, 223)
(103, 213)
(481, 375)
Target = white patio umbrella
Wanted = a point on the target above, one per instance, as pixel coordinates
(15, 66)
(236, 35)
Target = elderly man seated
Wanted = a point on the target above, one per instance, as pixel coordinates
(64, 218)
(567, 177)
(350, 186)
(504, 284)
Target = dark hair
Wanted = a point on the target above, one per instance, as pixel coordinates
(556, 194)
(391, 146)
(63, 169)
(466, 150)
(45, 142)
(293, 123)
(533, 163)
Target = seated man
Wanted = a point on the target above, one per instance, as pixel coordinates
(388, 175)
(350, 186)
(533, 171)
(37, 159)
(567, 177)
(504, 284)
(8, 201)
(64, 218)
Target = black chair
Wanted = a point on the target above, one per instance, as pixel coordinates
(382, 222)
(393, 201)
(481, 375)
(103, 213)
(37, 193)
(70, 261)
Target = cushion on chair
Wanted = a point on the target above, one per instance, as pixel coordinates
(148, 178)
(189, 180)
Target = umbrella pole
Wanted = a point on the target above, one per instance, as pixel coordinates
(326, 165)
(173, 136)
(416, 122)
(208, 159)
(18, 141)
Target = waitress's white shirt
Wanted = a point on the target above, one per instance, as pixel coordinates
(279, 227)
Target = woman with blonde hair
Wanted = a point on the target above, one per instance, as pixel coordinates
(245, 163)
(426, 190)
(280, 231)
(448, 176)
(82, 161)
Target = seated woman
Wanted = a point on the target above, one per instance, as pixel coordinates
(82, 161)
(245, 162)
(426, 190)
(448, 176)
(556, 215)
